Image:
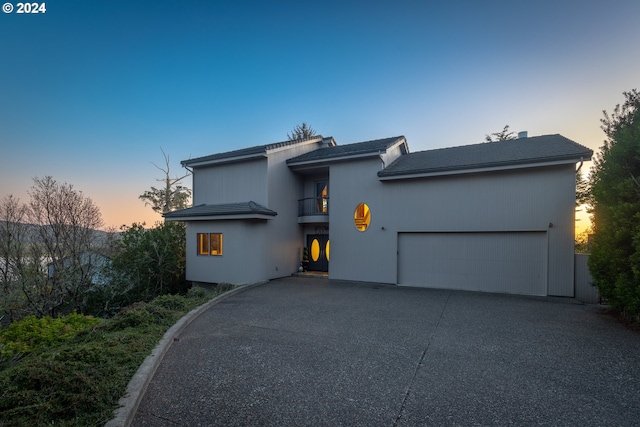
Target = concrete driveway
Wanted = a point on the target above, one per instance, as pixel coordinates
(313, 352)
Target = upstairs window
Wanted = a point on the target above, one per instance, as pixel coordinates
(209, 243)
(362, 217)
(322, 197)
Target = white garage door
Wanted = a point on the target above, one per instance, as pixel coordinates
(509, 262)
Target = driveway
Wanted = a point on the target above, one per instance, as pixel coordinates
(313, 352)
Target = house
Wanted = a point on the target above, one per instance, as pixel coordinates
(494, 217)
(88, 266)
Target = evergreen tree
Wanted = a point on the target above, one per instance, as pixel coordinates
(301, 132)
(615, 200)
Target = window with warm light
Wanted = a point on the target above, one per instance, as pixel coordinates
(322, 195)
(209, 243)
(362, 217)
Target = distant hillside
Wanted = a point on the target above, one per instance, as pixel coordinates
(102, 237)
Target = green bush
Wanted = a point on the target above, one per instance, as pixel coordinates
(196, 292)
(78, 380)
(171, 302)
(140, 314)
(30, 333)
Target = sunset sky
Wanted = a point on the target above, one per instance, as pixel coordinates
(91, 90)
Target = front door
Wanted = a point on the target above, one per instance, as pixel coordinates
(318, 245)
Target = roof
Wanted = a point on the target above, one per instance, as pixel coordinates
(241, 210)
(359, 149)
(246, 153)
(502, 154)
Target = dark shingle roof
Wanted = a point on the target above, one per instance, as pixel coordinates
(536, 149)
(357, 149)
(243, 152)
(242, 208)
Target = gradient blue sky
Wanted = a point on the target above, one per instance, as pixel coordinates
(90, 90)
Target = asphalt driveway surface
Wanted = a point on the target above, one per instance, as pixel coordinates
(313, 352)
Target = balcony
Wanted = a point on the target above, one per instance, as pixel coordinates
(313, 210)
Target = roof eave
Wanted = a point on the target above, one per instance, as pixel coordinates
(263, 152)
(195, 163)
(254, 216)
(336, 159)
(389, 176)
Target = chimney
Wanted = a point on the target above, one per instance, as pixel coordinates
(522, 134)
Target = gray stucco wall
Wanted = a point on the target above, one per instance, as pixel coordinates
(519, 200)
(253, 250)
(231, 183)
(243, 259)
(285, 236)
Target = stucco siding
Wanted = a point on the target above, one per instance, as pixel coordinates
(285, 236)
(243, 259)
(253, 250)
(521, 200)
(231, 183)
(356, 255)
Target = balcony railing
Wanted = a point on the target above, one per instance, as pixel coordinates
(313, 206)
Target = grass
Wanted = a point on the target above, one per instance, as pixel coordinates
(77, 381)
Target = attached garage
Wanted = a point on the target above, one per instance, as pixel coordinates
(506, 262)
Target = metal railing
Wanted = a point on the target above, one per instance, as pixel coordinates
(313, 206)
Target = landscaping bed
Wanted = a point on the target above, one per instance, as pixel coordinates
(72, 371)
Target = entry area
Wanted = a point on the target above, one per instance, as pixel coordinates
(506, 262)
(318, 246)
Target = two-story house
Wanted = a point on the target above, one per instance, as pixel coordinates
(495, 217)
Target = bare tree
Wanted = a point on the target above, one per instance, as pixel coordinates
(66, 241)
(13, 238)
(301, 132)
(172, 196)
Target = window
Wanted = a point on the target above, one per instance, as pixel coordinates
(209, 243)
(322, 197)
(203, 244)
(362, 217)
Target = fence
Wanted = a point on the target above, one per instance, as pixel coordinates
(584, 291)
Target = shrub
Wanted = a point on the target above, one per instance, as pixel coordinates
(78, 381)
(171, 302)
(30, 333)
(196, 292)
(136, 315)
(615, 198)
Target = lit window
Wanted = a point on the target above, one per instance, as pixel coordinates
(216, 243)
(322, 197)
(203, 244)
(209, 243)
(315, 250)
(362, 217)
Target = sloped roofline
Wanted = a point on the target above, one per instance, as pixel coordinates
(519, 153)
(372, 148)
(241, 210)
(249, 153)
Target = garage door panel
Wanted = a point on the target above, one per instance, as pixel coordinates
(511, 262)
